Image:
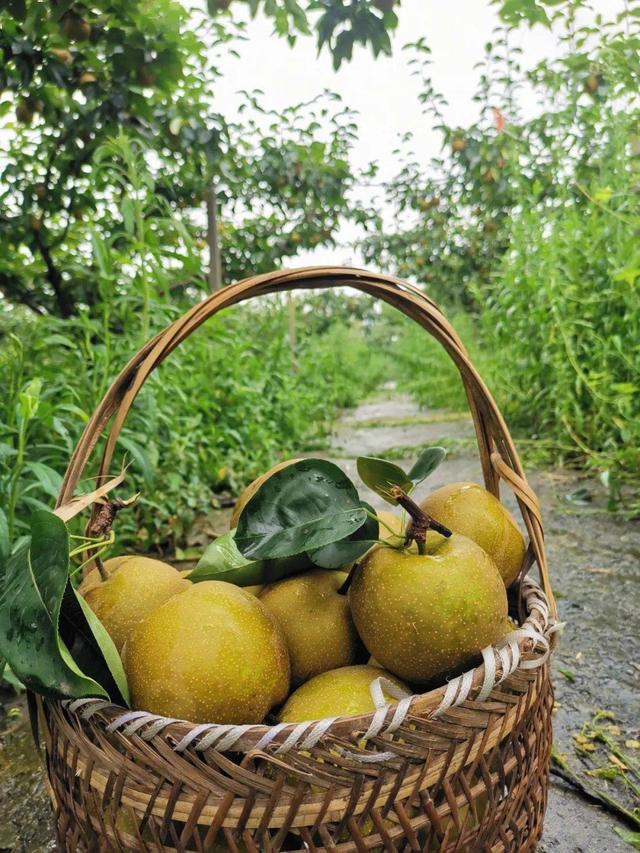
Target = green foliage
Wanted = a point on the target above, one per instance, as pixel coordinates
(304, 506)
(337, 555)
(381, 476)
(220, 411)
(223, 561)
(339, 26)
(76, 78)
(569, 290)
(530, 225)
(33, 619)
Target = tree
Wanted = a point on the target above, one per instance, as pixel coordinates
(77, 75)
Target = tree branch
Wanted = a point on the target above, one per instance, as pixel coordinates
(54, 277)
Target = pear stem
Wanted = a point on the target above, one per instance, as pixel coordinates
(344, 589)
(420, 522)
(100, 566)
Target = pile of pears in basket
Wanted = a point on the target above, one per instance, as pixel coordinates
(312, 597)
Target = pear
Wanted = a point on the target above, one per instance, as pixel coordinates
(136, 586)
(213, 654)
(391, 528)
(316, 622)
(252, 488)
(424, 615)
(473, 511)
(93, 576)
(343, 692)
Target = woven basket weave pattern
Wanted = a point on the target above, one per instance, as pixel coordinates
(464, 769)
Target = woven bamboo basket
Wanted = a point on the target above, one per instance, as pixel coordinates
(460, 768)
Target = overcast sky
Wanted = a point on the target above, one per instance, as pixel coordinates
(382, 90)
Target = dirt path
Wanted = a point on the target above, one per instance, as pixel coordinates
(595, 564)
(595, 561)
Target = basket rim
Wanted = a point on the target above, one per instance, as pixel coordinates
(527, 647)
(498, 454)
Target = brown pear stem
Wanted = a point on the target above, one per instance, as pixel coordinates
(421, 521)
(344, 589)
(101, 569)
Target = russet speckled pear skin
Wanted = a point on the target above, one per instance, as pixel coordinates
(213, 654)
(393, 532)
(343, 692)
(316, 622)
(469, 509)
(136, 587)
(421, 616)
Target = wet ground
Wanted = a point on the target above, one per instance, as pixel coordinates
(595, 562)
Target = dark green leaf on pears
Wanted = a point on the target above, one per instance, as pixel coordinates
(302, 507)
(339, 554)
(426, 464)
(222, 561)
(381, 476)
(91, 646)
(35, 581)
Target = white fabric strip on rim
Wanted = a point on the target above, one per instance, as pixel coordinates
(228, 740)
(192, 734)
(378, 687)
(123, 719)
(89, 710)
(134, 726)
(157, 727)
(489, 657)
(269, 735)
(74, 705)
(316, 733)
(293, 737)
(449, 696)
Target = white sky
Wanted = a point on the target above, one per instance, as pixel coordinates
(382, 90)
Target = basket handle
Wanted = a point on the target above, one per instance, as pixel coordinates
(498, 455)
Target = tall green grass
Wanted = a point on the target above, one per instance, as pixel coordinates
(563, 317)
(224, 407)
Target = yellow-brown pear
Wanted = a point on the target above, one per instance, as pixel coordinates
(424, 615)
(136, 586)
(343, 692)
(316, 622)
(391, 527)
(473, 511)
(213, 654)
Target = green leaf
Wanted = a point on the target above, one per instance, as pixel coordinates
(35, 582)
(339, 554)
(8, 675)
(50, 481)
(426, 464)
(29, 400)
(5, 545)
(381, 475)
(18, 9)
(91, 646)
(632, 838)
(304, 506)
(222, 561)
